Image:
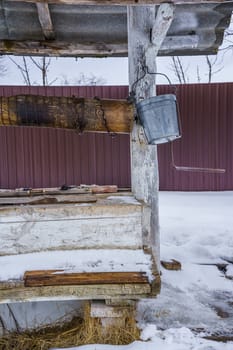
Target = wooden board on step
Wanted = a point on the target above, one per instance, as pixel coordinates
(63, 190)
(39, 278)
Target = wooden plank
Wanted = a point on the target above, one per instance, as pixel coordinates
(67, 112)
(122, 2)
(45, 20)
(44, 191)
(102, 189)
(61, 48)
(48, 199)
(82, 292)
(59, 278)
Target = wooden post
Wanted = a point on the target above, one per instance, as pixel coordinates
(147, 29)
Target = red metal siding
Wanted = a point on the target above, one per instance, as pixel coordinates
(206, 116)
(36, 157)
(43, 157)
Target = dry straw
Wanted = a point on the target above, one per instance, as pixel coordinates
(77, 332)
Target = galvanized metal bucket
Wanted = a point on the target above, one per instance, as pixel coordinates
(159, 118)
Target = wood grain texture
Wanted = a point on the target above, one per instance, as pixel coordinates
(45, 20)
(48, 199)
(102, 224)
(67, 112)
(43, 191)
(90, 292)
(144, 162)
(59, 278)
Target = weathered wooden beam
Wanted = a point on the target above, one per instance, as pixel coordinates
(146, 28)
(67, 112)
(173, 43)
(92, 292)
(45, 20)
(48, 199)
(59, 278)
(58, 48)
(121, 2)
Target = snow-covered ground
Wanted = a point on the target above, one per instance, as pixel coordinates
(197, 230)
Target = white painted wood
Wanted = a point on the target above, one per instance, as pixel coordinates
(146, 32)
(109, 223)
(101, 310)
(121, 232)
(45, 20)
(92, 292)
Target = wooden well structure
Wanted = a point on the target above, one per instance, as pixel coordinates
(78, 242)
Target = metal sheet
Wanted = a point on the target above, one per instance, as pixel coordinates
(102, 30)
(207, 127)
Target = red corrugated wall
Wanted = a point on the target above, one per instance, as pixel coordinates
(37, 157)
(207, 139)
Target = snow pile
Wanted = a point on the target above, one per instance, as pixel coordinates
(197, 230)
(171, 339)
(86, 260)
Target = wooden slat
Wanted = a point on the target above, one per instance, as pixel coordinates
(61, 48)
(122, 2)
(45, 20)
(92, 292)
(44, 191)
(39, 200)
(53, 278)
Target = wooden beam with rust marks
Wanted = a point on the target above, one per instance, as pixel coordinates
(45, 20)
(60, 278)
(67, 112)
(57, 48)
(121, 2)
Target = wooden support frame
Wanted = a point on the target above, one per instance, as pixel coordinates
(80, 114)
(147, 29)
(121, 2)
(45, 20)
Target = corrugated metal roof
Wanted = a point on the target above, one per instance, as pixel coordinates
(81, 30)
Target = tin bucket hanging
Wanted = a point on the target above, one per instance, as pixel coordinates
(159, 118)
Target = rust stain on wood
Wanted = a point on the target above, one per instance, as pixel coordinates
(76, 113)
(59, 278)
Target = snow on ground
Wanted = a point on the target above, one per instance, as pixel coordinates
(197, 230)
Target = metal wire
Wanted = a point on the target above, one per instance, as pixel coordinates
(176, 167)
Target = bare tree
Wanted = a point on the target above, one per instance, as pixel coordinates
(179, 70)
(24, 67)
(43, 65)
(212, 64)
(3, 68)
(83, 79)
